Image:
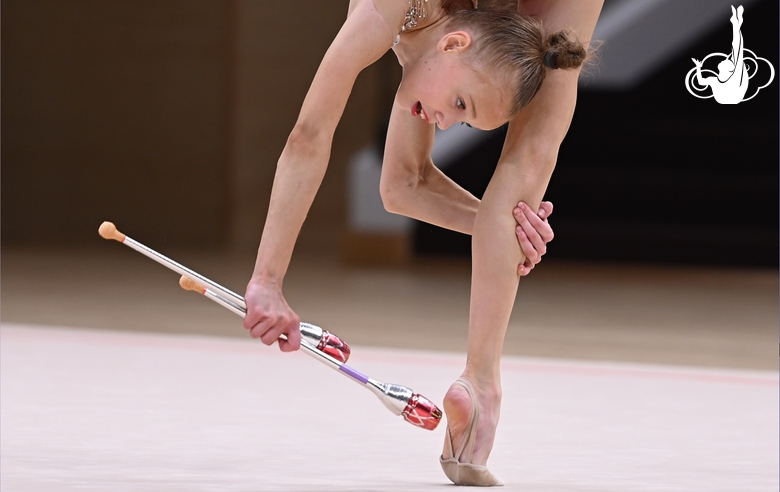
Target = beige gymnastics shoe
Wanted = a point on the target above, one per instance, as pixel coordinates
(457, 466)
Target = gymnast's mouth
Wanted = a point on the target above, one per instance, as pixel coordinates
(417, 110)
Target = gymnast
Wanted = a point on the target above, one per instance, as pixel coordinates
(484, 65)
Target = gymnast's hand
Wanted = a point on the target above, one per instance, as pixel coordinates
(268, 316)
(533, 233)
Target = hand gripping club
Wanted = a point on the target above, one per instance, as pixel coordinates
(415, 409)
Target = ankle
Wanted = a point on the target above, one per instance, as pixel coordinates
(488, 387)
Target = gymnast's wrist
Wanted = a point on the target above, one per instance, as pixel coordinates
(267, 277)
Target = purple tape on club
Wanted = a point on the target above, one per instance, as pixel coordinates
(353, 373)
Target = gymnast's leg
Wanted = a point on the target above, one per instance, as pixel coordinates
(493, 288)
(523, 172)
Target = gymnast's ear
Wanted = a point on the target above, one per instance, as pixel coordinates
(454, 41)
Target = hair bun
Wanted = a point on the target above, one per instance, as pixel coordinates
(564, 52)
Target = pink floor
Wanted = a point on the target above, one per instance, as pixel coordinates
(106, 410)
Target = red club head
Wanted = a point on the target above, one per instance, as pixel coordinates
(421, 412)
(334, 346)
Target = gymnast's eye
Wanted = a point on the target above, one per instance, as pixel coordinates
(460, 104)
(464, 123)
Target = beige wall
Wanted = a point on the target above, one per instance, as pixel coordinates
(113, 110)
(279, 47)
(165, 117)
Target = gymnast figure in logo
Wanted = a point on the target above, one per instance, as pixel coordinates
(731, 84)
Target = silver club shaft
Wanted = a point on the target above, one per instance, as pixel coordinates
(393, 396)
(182, 270)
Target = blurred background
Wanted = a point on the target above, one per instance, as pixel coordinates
(167, 118)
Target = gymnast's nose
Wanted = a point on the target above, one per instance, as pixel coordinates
(442, 121)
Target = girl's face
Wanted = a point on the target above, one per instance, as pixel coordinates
(442, 90)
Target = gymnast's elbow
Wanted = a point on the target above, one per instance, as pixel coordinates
(308, 140)
(401, 181)
(396, 193)
(392, 198)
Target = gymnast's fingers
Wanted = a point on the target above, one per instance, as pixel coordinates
(545, 210)
(270, 329)
(529, 250)
(540, 226)
(531, 241)
(261, 329)
(293, 332)
(525, 268)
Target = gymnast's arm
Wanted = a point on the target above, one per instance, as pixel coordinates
(413, 186)
(701, 80)
(363, 39)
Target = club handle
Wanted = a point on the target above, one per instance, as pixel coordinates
(400, 400)
(414, 408)
(320, 339)
(309, 348)
(108, 230)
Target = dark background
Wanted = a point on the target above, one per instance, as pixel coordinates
(165, 117)
(168, 118)
(654, 174)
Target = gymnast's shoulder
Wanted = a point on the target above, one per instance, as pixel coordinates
(392, 12)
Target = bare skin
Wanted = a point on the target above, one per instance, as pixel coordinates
(509, 237)
(524, 170)
(367, 34)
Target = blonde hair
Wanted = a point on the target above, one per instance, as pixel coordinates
(515, 47)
